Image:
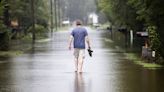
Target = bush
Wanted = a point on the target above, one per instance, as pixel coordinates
(154, 38)
(155, 43)
(40, 31)
(4, 41)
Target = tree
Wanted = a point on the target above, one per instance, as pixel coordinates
(20, 9)
(138, 15)
(4, 36)
(151, 12)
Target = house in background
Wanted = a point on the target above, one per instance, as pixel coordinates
(93, 19)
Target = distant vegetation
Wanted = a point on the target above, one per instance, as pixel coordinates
(138, 15)
(16, 20)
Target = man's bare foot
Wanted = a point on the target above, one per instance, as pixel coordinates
(76, 70)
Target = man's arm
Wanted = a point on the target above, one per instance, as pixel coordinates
(70, 42)
(88, 41)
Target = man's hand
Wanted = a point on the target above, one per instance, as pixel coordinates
(90, 51)
(89, 47)
(88, 42)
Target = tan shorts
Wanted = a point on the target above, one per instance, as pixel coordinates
(79, 53)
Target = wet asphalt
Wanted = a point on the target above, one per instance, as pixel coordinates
(49, 67)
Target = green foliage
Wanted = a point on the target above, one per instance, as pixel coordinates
(105, 7)
(4, 35)
(1, 8)
(21, 10)
(39, 30)
(4, 41)
(133, 57)
(138, 15)
(154, 38)
(120, 13)
(2, 26)
(10, 53)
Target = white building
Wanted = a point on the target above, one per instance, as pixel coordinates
(93, 19)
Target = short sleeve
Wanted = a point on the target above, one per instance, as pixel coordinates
(72, 33)
(85, 32)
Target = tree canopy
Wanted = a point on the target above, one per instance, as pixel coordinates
(139, 15)
(21, 11)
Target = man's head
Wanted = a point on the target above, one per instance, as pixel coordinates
(78, 22)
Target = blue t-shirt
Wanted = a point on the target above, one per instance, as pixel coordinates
(79, 35)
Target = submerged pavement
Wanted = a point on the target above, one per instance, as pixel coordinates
(49, 67)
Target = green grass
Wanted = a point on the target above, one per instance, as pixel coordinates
(138, 61)
(108, 40)
(64, 28)
(43, 40)
(10, 53)
(149, 65)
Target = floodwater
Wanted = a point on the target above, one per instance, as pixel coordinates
(49, 67)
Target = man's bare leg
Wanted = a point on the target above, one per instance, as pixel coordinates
(80, 64)
(76, 64)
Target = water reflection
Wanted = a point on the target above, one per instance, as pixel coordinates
(79, 85)
(6, 78)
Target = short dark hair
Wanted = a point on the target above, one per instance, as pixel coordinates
(78, 22)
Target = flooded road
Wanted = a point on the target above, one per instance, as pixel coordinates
(50, 68)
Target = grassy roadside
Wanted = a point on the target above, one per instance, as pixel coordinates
(64, 28)
(10, 53)
(134, 57)
(19, 47)
(137, 60)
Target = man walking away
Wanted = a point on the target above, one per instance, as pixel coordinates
(79, 36)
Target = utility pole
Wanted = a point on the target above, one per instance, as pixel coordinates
(52, 24)
(55, 5)
(33, 20)
(59, 17)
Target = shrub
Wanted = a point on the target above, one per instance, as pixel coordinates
(4, 41)
(4, 35)
(154, 38)
(40, 31)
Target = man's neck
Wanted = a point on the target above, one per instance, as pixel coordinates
(78, 25)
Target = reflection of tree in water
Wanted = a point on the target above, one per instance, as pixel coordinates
(79, 85)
